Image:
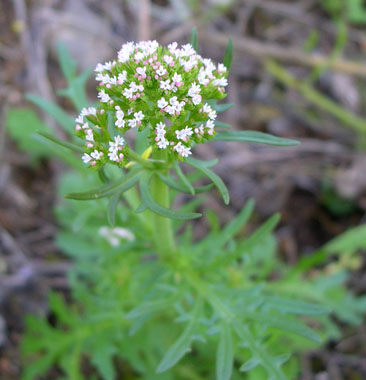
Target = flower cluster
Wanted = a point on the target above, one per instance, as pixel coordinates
(168, 90)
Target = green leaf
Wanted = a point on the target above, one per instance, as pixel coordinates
(102, 358)
(68, 65)
(112, 207)
(194, 39)
(253, 137)
(224, 357)
(260, 233)
(121, 185)
(250, 364)
(182, 345)
(234, 226)
(228, 59)
(284, 323)
(287, 305)
(57, 113)
(212, 176)
(220, 124)
(183, 178)
(64, 144)
(222, 107)
(21, 125)
(175, 185)
(151, 204)
(61, 310)
(148, 307)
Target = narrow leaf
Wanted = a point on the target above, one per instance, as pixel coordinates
(222, 107)
(183, 178)
(64, 144)
(177, 186)
(224, 357)
(121, 185)
(212, 176)
(284, 323)
(57, 113)
(254, 137)
(194, 39)
(68, 65)
(182, 345)
(220, 124)
(259, 234)
(287, 305)
(157, 208)
(112, 207)
(250, 364)
(228, 59)
(232, 228)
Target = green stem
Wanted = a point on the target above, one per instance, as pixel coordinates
(162, 226)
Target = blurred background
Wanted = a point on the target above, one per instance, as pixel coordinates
(299, 71)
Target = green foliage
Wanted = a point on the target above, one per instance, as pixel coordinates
(154, 310)
(353, 10)
(22, 124)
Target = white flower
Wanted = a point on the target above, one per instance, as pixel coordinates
(221, 68)
(119, 140)
(182, 150)
(161, 71)
(138, 116)
(197, 99)
(113, 155)
(89, 135)
(162, 103)
(210, 124)
(86, 158)
(168, 59)
(163, 143)
(114, 235)
(221, 82)
(195, 89)
(96, 154)
(165, 84)
(104, 98)
(125, 52)
(177, 78)
(206, 108)
(141, 71)
(132, 123)
(184, 134)
(160, 127)
(212, 114)
(202, 78)
(122, 77)
(99, 68)
(173, 101)
(128, 93)
(172, 47)
(80, 119)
